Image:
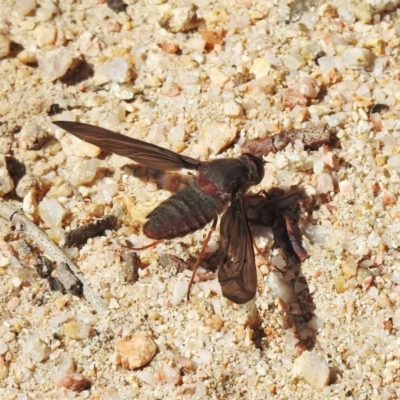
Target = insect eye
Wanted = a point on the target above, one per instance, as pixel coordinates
(256, 166)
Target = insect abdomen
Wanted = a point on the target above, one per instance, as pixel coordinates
(186, 211)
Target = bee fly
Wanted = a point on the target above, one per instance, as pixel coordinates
(219, 184)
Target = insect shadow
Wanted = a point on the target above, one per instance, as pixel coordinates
(274, 209)
(218, 188)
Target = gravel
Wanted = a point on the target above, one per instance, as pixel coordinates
(202, 79)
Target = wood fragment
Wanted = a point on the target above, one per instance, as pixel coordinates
(131, 267)
(311, 137)
(70, 282)
(19, 220)
(172, 262)
(83, 233)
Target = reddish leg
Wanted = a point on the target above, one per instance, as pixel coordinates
(200, 256)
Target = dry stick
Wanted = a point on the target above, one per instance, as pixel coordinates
(48, 246)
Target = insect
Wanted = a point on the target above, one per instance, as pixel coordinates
(220, 184)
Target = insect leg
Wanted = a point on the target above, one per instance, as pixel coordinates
(155, 243)
(200, 256)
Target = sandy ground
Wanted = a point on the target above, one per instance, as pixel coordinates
(201, 80)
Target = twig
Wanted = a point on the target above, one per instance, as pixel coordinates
(19, 220)
(311, 137)
(83, 233)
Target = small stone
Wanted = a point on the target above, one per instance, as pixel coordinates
(325, 183)
(51, 212)
(347, 188)
(280, 288)
(232, 109)
(5, 45)
(292, 98)
(84, 174)
(63, 190)
(357, 58)
(340, 284)
(6, 183)
(4, 262)
(311, 367)
(24, 7)
(294, 61)
(260, 67)
(169, 375)
(76, 330)
(119, 70)
(393, 162)
(27, 57)
(349, 267)
(217, 135)
(45, 35)
(179, 19)
(75, 382)
(3, 347)
(65, 364)
(122, 92)
(27, 183)
(3, 370)
(216, 322)
(217, 78)
(36, 349)
(135, 351)
(55, 63)
(33, 136)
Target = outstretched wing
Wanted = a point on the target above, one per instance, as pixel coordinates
(238, 274)
(144, 153)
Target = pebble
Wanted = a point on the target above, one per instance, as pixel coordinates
(75, 382)
(280, 288)
(311, 367)
(33, 136)
(27, 183)
(179, 19)
(357, 58)
(36, 349)
(55, 63)
(46, 11)
(3, 347)
(65, 364)
(294, 61)
(122, 92)
(45, 35)
(168, 375)
(393, 162)
(6, 183)
(76, 330)
(232, 109)
(24, 7)
(217, 78)
(217, 135)
(85, 173)
(349, 267)
(3, 370)
(135, 351)
(260, 67)
(325, 183)
(51, 212)
(5, 45)
(119, 70)
(4, 262)
(27, 57)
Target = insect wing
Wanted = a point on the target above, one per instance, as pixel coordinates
(144, 153)
(238, 274)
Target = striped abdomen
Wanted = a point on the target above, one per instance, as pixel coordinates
(186, 211)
